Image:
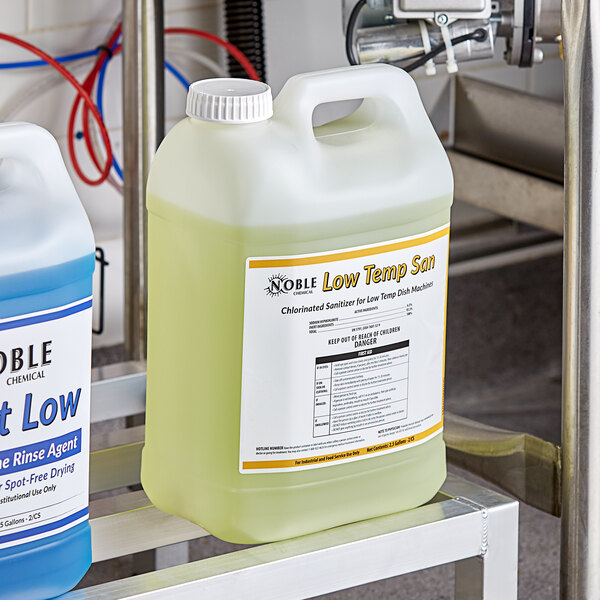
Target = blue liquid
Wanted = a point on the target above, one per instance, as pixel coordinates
(51, 566)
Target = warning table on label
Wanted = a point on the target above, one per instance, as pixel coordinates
(362, 389)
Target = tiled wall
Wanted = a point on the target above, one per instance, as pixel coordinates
(301, 35)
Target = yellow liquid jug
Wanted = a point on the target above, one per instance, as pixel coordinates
(297, 301)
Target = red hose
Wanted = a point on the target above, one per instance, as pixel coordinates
(91, 78)
(88, 85)
(233, 50)
(82, 95)
(85, 89)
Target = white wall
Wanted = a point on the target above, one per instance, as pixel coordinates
(65, 26)
(301, 35)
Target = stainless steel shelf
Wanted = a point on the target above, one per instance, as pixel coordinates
(508, 192)
(465, 524)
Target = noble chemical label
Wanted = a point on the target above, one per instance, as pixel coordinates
(44, 422)
(343, 353)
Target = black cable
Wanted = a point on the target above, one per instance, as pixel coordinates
(352, 19)
(479, 35)
(106, 49)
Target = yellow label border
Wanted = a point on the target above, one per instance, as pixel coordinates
(325, 258)
(327, 458)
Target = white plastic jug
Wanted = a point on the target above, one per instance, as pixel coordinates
(297, 306)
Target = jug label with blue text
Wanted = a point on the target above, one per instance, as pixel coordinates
(44, 422)
(343, 353)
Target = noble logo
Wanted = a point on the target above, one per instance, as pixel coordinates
(27, 357)
(277, 285)
(280, 284)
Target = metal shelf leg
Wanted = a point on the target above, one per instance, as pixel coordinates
(143, 130)
(494, 574)
(580, 543)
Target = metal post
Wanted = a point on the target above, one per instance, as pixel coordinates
(494, 574)
(580, 546)
(143, 130)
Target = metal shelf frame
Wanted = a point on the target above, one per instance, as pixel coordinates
(467, 523)
(464, 524)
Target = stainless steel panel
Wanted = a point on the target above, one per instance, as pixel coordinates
(504, 259)
(509, 127)
(508, 192)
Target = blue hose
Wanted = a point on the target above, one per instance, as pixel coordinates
(101, 75)
(177, 74)
(100, 95)
(100, 105)
(40, 63)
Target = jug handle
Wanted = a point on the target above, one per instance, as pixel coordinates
(35, 147)
(392, 88)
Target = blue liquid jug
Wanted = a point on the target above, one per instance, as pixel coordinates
(46, 268)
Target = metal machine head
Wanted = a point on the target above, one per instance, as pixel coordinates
(414, 33)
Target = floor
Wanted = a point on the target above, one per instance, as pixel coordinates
(503, 368)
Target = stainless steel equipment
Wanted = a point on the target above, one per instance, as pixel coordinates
(401, 41)
(399, 30)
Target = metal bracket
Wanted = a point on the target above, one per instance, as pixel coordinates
(100, 258)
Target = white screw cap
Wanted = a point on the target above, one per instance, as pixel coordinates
(229, 100)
